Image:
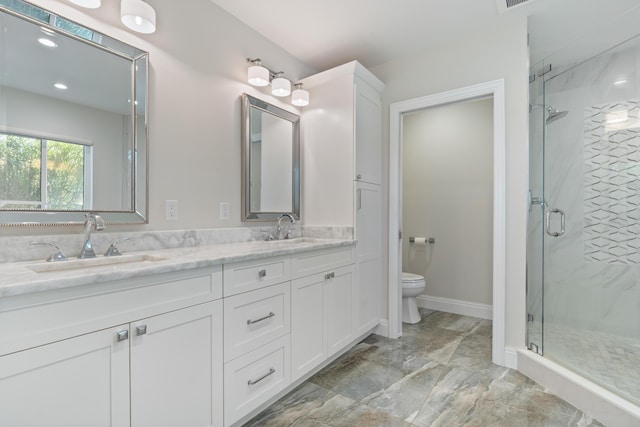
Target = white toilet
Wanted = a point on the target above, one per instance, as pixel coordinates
(412, 286)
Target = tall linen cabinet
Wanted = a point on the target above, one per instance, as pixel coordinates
(342, 164)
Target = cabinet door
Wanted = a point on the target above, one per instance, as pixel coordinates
(81, 381)
(307, 324)
(338, 291)
(367, 292)
(368, 133)
(176, 368)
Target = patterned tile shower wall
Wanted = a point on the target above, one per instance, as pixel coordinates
(612, 183)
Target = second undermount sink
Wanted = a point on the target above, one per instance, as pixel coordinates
(81, 264)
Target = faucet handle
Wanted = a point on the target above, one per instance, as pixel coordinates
(57, 255)
(113, 248)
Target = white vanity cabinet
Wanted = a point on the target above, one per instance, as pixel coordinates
(321, 307)
(257, 324)
(343, 129)
(145, 352)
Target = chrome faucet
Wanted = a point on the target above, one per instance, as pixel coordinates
(279, 229)
(93, 220)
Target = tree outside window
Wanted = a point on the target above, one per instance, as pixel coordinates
(41, 174)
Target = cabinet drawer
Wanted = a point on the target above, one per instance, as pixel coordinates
(315, 262)
(39, 318)
(254, 378)
(255, 318)
(249, 275)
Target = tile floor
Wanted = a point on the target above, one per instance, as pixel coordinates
(438, 374)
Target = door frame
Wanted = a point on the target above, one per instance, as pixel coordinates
(496, 90)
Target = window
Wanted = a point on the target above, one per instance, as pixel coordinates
(38, 173)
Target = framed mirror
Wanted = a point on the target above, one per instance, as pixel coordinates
(73, 121)
(270, 161)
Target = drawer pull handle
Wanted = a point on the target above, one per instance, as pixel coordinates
(123, 335)
(262, 273)
(329, 276)
(254, 382)
(268, 316)
(141, 330)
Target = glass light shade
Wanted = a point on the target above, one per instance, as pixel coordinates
(138, 16)
(300, 97)
(258, 75)
(280, 86)
(89, 4)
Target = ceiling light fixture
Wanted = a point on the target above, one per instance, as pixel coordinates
(89, 4)
(299, 96)
(61, 86)
(138, 16)
(259, 75)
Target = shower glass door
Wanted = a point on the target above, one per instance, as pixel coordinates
(591, 250)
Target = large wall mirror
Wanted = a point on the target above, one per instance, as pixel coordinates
(270, 161)
(73, 121)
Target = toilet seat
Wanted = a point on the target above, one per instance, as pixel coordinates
(411, 278)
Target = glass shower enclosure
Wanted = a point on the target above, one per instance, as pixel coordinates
(583, 262)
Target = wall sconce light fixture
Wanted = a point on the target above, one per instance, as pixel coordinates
(259, 75)
(280, 86)
(300, 97)
(138, 16)
(135, 14)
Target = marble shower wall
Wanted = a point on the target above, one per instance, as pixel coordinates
(592, 271)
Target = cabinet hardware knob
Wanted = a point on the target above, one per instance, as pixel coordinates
(262, 273)
(268, 316)
(256, 381)
(331, 275)
(141, 330)
(123, 335)
(359, 176)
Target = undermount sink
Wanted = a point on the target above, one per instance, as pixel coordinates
(81, 264)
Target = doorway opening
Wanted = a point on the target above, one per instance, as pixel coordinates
(495, 91)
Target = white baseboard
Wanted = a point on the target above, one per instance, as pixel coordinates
(511, 357)
(465, 308)
(383, 328)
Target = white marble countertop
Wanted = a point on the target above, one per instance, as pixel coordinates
(19, 278)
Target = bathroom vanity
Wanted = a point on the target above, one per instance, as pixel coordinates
(196, 336)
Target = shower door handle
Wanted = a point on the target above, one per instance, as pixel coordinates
(548, 220)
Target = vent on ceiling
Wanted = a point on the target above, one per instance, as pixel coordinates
(503, 5)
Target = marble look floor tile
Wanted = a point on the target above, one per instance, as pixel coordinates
(439, 373)
(292, 407)
(404, 398)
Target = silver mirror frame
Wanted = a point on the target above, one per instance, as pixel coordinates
(139, 183)
(248, 103)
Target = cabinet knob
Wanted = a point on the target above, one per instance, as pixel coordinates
(330, 276)
(123, 335)
(141, 330)
(359, 176)
(262, 273)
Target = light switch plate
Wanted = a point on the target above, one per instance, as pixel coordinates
(224, 210)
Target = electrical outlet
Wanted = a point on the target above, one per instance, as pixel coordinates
(171, 210)
(224, 210)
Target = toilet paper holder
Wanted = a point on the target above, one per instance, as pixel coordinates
(430, 240)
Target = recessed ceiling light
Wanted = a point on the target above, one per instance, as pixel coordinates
(47, 42)
(61, 86)
(620, 82)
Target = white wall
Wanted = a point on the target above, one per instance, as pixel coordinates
(448, 195)
(495, 53)
(197, 75)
